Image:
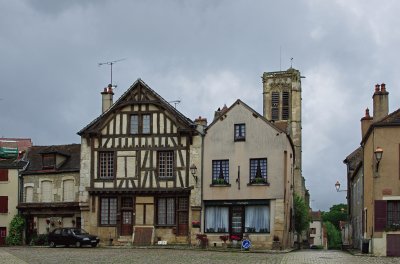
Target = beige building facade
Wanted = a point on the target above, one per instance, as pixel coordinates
(381, 177)
(247, 178)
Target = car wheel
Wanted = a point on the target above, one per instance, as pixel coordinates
(94, 245)
(52, 244)
(78, 244)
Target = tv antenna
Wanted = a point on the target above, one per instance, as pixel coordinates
(111, 63)
(175, 102)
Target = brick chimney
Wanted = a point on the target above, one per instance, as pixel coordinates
(201, 121)
(381, 102)
(366, 121)
(107, 98)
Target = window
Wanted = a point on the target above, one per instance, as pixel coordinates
(3, 204)
(258, 170)
(166, 211)
(275, 106)
(240, 132)
(217, 219)
(3, 175)
(68, 190)
(257, 219)
(140, 124)
(108, 211)
(28, 194)
(393, 214)
(285, 105)
(49, 161)
(106, 165)
(313, 230)
(46, 191)
(220, 171)
(165, 164)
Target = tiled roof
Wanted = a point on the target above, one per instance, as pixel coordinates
(12, 164)
(71, 152)
(23, 143)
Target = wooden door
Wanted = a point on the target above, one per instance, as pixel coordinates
(3, 234)
(126, 223)
(183, 217)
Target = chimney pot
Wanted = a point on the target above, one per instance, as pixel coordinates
(376, 87)
(367, 113)
(383, 87)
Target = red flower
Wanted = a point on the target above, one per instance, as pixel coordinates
(234, 237)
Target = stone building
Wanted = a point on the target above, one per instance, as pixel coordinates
(282, 105)
(50, 189)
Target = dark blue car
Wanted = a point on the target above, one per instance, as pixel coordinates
(71, 236)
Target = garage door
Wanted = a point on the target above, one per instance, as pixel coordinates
(393, 245)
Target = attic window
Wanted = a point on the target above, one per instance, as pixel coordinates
(240, 132)
(48, 161)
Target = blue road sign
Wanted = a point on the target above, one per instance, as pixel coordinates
(246, 244)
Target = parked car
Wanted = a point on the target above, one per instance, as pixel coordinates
(71, 236)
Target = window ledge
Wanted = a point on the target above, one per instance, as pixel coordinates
(239, 139)
(104, 180)
(220, 185)
(258, 184)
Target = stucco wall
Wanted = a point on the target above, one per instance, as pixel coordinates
(9, 188)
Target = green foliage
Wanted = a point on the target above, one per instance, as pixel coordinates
(336, 214)
(334, 236)
(301, 216)
(39, 240)
(16, 229)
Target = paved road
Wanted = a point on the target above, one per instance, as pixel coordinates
(154, 256)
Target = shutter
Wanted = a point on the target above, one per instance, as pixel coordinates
(380, 215)
(4, 175)
(46, 191)
(28, 194)
(3, 204)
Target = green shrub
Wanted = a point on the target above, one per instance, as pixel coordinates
(40, 240)
(16, 230)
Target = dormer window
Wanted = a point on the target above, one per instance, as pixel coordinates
(48, 161)
(240, 132)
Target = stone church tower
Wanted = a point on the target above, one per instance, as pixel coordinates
(282, 105)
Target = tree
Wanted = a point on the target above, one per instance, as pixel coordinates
(301, 217)
(337, 213)
(334, 236)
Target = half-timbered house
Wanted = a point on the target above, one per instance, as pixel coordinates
(136, 182)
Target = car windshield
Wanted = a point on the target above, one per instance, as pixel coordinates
(78, 231)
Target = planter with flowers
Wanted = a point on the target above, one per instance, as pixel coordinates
(196, 224)
(203, 240)
(234, 240)
(224, 239)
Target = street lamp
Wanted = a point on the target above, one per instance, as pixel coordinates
(378, 156)
(337, 186)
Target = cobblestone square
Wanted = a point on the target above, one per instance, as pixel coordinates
(134, 255)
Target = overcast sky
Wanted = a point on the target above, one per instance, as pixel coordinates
(206, 54)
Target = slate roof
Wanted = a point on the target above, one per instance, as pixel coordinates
(12, 164)
(120, 100)
(71, 152)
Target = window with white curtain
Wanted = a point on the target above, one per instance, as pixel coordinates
(47, 191)
(257, 219)
(28, 194)
(68, 190)
(217, 219)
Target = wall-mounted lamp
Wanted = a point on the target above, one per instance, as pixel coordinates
(337, 186)
(193, 170)
(378, 156)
